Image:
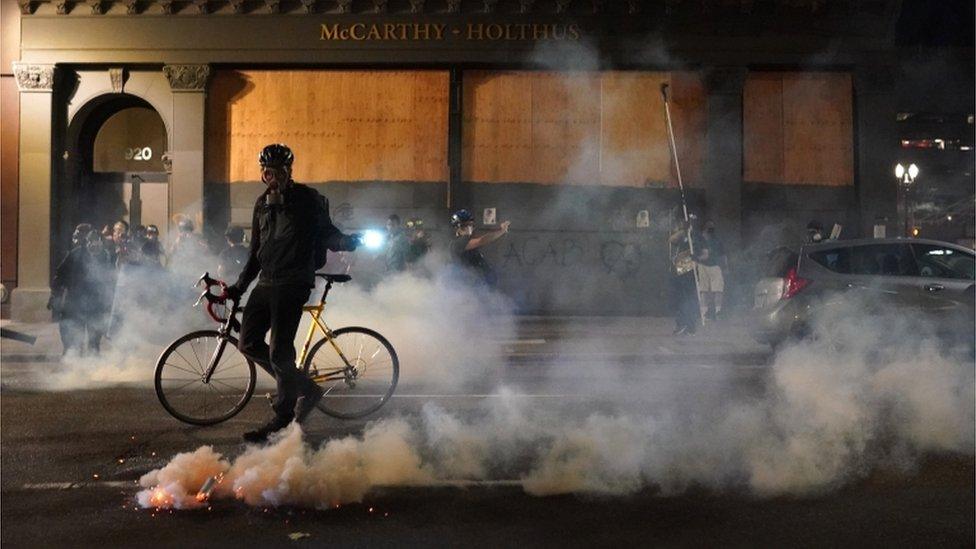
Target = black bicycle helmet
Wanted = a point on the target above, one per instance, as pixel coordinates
(276, 155)
(461, 217)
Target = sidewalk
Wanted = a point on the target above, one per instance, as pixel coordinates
(46, 348)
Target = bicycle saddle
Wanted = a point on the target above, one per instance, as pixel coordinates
(334, 277)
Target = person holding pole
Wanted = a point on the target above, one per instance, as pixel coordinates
(685, 279)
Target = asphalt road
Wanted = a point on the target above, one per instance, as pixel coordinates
(54, 443)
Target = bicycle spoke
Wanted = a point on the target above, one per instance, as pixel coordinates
(181, 387)
(195, 374)
(229, 386)
(188, 363)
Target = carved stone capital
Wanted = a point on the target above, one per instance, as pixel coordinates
(454, 6)
(203, 6)
(34, 78)
(237, 5)
(309, 5)
(187, 78)
(379, 6)
(167, 159)
(562, 5)
(26, 7)
(97, 8)
(62, 7)
(416, 6)
(132, 7)
(344, 5)
(525, 6)
(489, 5)
(274, 6)
(167, 6)
(118, 77)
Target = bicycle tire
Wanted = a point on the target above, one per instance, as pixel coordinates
(345, 401)
(168, 400)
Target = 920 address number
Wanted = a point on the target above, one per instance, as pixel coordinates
(138, 153)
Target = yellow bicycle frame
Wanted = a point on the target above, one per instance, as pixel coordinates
(315, 311)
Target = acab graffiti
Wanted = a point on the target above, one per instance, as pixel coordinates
(614, 256)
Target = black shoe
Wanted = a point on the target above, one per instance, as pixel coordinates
(679, 331)
(262, 434)
(306, 403)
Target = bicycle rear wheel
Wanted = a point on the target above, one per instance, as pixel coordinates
(365, 384)
(181, 385)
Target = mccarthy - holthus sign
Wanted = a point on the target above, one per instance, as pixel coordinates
(422, 32)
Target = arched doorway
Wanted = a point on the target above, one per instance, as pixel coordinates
(115, 168)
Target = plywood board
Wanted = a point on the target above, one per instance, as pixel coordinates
(342, 125)
(798, 128)
(577, 128)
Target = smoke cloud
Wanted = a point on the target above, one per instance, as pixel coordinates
(867, 390)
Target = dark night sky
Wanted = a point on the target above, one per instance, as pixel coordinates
(936, 23)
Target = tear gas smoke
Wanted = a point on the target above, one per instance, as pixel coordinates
(438, 327)
(868, 390)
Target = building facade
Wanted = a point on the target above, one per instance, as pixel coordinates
(548, 113)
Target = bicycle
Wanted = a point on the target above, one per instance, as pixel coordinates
(202, 378)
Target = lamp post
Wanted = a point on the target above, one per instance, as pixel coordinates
(906, 178)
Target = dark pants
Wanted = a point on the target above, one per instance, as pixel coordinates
(81, 332)
(278, 308)
(686, 302)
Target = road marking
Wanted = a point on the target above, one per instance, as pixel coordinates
(443, 483)
(522, 342)
(74, 485)
(488, 395)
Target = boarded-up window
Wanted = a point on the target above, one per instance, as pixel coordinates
(580, 128)
(342, 125)
(798, 129)
(131, 140)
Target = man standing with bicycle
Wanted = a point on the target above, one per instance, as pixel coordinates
(290, 233)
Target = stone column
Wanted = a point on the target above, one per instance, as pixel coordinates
(723, 160)
(36, 85)
(876, 149)
(189, 86)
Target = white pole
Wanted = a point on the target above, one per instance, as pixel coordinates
(684, 203)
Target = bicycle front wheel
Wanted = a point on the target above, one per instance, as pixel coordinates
(182, 384)
(357, 369)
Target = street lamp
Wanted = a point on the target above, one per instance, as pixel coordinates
(906, 177)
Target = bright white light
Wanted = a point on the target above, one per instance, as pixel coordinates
(913, 171)
(899, 171)
(373, 239)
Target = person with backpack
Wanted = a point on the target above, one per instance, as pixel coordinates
(291, 232)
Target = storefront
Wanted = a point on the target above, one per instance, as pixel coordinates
(547, 113)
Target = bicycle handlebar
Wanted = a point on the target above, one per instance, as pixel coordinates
(213, 299)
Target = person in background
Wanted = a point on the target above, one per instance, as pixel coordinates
(397, 246)
(683, 286)
(815, 232)
(80, 294)
(232, 258)
(120, 240)
(152, 250)
(466, 248)
(711, 282)
(187, 242)
(418, 239)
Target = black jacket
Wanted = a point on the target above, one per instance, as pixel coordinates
(288, 242)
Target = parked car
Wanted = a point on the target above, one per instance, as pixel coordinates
(928, 277)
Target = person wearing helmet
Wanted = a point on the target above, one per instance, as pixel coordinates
(290, 233)
(232, 258)
(466, 248)
(80, 293)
